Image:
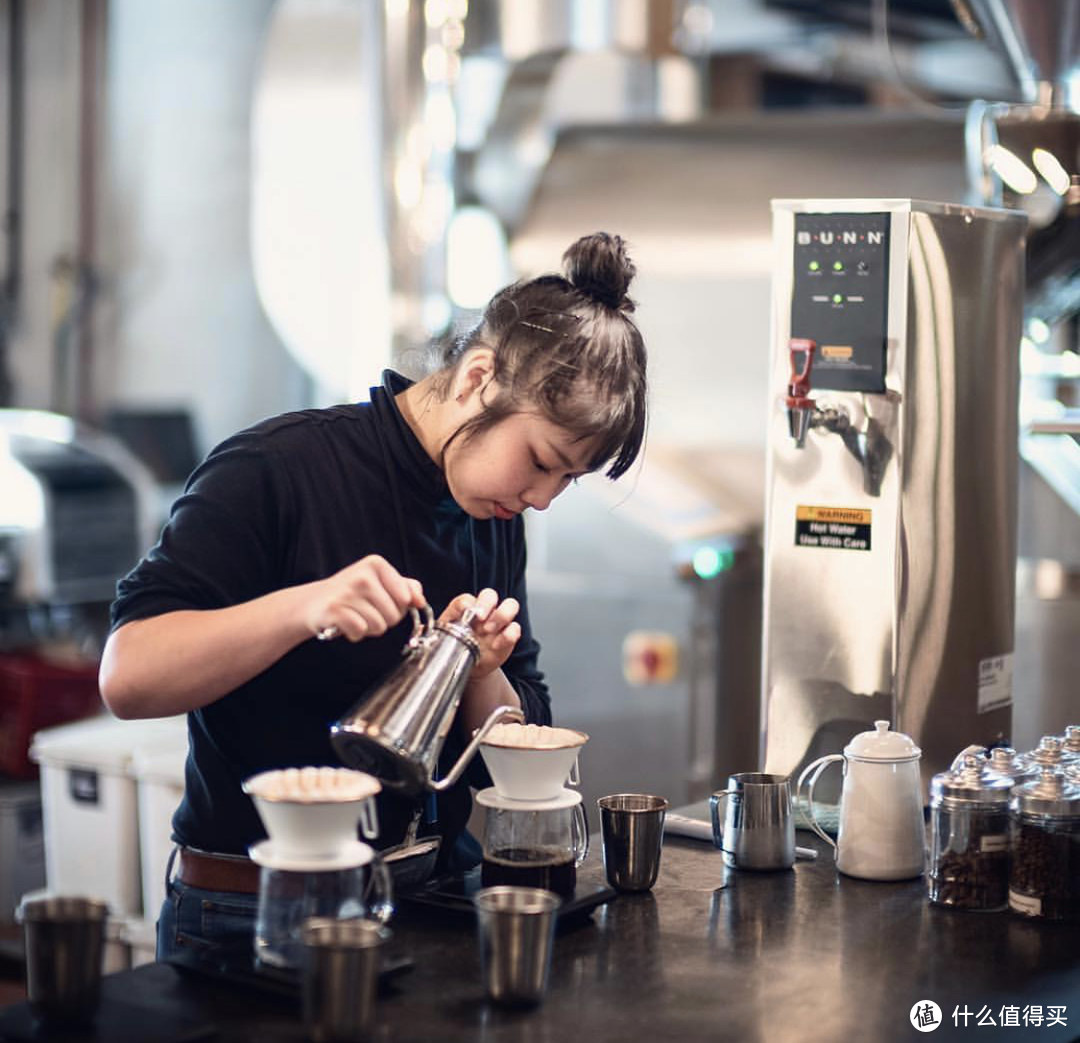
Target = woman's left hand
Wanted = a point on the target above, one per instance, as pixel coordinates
(493, 627)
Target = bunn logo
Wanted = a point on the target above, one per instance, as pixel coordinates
(844, 238)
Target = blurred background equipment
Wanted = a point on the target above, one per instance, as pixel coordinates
(77, 510)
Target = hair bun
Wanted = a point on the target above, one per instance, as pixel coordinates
(599, 266)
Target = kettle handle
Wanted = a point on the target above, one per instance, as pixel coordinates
(496, 715)
(816, 768)
(420, 628)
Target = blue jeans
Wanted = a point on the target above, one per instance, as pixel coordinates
(195, 919)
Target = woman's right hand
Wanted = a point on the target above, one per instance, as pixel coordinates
(364, 599)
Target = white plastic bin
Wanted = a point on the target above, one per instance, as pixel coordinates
(159, 778)
(89, 806)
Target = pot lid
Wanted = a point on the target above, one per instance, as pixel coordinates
(971, 779)
(1052, 793)
(492, 798)
(881, 744)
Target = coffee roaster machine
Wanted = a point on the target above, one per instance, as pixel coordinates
(78, 509)
(890, 544)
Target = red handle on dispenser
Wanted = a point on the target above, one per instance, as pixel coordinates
(798, 396)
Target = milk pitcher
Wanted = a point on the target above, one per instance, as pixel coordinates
(881, 835)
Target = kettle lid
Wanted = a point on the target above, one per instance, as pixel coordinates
(881, 744)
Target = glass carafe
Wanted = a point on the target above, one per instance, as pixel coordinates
(534, 843)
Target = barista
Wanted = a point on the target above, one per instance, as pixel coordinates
(344, 518)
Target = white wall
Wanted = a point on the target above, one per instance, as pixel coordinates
(181, 322)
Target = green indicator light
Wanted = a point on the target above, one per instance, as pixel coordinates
(838, 266)
(706, 562)
(814, 266)
(709, 562)
(837, 298)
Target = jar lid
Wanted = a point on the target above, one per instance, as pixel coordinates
(1052, 793)
(972, 780)
(882, 745)
(1047, 754)
(1004, 760)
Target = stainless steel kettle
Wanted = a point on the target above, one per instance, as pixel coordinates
(397, 731)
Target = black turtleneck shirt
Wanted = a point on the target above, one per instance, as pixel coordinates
(294, 499)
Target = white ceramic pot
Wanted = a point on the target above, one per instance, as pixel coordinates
(882, 835)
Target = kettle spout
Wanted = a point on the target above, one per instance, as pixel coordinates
(500, 713)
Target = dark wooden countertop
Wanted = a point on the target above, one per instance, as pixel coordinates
(709, 954)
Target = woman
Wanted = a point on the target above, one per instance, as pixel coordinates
(336, 521)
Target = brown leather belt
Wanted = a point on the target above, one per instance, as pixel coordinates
(217, 872)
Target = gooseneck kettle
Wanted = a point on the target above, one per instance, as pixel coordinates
(396, 732)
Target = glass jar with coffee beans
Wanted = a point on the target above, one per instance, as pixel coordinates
(969, 838)
(1044, 880)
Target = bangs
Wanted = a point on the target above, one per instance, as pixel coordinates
(607, 408)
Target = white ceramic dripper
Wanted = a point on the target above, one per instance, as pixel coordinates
(313, 812)
(532, 772)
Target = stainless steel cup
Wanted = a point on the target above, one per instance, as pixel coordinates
(758, 830)
(65, 944)
(632, 828)
(515, 930)
(342, 960)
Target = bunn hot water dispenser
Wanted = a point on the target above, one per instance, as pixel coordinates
(890, 542)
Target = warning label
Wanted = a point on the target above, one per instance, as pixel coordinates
(840, 528)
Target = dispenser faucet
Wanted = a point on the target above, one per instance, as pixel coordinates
(800, 406)
(869, 445)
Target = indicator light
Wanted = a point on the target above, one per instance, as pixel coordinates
(709, 562)
(814, 266)
(837, 298)
(838, 266)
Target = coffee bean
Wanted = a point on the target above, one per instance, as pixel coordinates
(1046, 865)
(969, 859)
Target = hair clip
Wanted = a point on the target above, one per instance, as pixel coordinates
(548, 329)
